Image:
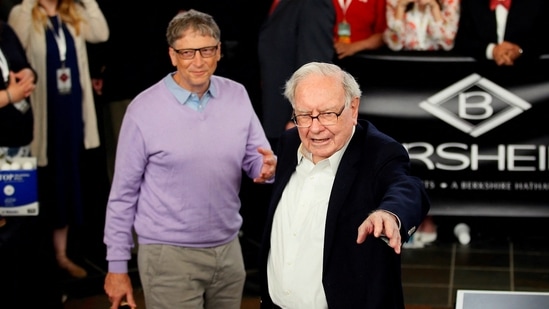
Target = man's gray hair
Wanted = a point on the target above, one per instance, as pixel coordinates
(348, 82)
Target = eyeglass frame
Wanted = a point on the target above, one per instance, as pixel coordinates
(200, 50)
(294, 118)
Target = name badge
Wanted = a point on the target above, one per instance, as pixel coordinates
(344, 29)
(344, 32)
(64, 80)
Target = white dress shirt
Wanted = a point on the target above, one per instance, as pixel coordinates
(294, 268)
(501, 21)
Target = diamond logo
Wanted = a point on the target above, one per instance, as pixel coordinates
(63, 77)
(475, 105)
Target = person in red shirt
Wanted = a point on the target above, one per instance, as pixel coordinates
(359, 26)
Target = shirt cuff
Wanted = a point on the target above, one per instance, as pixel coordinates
(118, 267)
(490, 51)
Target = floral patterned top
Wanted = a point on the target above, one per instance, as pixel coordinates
(419, 30)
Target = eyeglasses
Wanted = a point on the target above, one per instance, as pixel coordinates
(325, 119)
(189, 53)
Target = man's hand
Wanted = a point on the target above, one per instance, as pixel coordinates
(381, 224)
(97, 85)
(24, 75)
(344, 49)
(21, 85)
(506, 53)
(119, 287)
(269, 165)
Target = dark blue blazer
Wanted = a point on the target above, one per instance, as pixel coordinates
(374, 173)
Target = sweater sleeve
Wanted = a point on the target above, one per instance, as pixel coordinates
(95, 28)
(20, 19)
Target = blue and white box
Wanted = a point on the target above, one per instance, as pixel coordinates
(18, 187)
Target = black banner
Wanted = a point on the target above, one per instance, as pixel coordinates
(478, 137)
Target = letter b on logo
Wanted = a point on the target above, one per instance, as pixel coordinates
(475, 105)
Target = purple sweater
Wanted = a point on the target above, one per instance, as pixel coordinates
(178, 171)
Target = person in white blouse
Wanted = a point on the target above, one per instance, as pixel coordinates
(421, 24)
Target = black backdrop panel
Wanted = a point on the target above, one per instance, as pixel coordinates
(478, 138)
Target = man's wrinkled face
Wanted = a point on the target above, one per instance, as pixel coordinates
(317, 94)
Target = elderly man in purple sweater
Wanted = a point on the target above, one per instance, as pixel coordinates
(183, 145)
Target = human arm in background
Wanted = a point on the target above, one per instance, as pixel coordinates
(20, 19)
(95, 29)
(505, 53)
(395, 34)
(22, 77)
(343, 50)
(444, 28)
(18, 90)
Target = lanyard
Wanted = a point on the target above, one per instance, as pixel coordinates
(59, 38)
(4, 67)
(344, 4)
